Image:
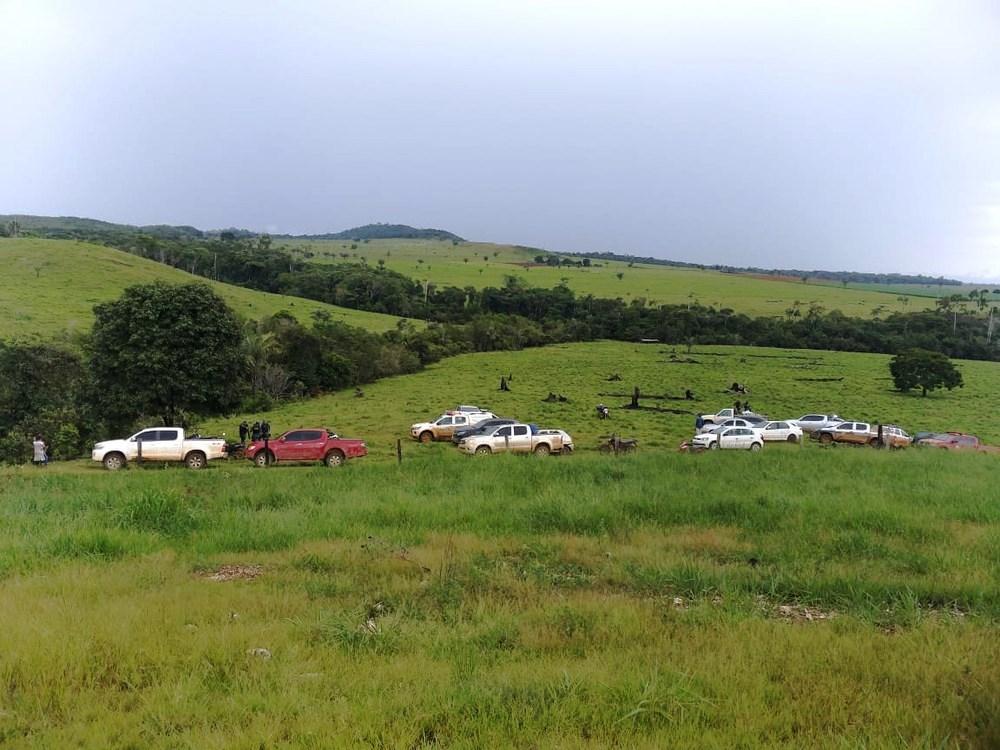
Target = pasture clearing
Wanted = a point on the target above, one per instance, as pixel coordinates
(50, 287)
(479, 264)
(806, 598)
(784, 383)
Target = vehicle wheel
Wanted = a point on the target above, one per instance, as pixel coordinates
(567, 449)
(793, 439)
(334, 458)
(483, 450)
(873, 442)
(755, 447)
(826, 439)
(426, 437)
(542, 449)
(713, 446)
(196, 460)
(114, 461)
(263, 458)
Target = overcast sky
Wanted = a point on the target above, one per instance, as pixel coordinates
(834, 135)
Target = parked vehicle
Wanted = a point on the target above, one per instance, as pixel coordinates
(738, 438)
(444, 426)
(864, 433)
(813, 422)
(518, 438)
(734, 422)
(488, 424)
(781, 431)
(159, 444)
(306, 444)
(723, 414)
(954, 441)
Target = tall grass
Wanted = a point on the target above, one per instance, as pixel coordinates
(579, 601)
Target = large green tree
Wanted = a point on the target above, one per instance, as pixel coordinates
(164, 350)
(919, 368)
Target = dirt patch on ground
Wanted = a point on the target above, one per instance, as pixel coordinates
(233, 573)
(797, 613)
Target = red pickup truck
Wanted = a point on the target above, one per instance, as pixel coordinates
(306, 444)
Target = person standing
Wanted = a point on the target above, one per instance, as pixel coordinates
(244, 430)
(40, 452)
(255, 432)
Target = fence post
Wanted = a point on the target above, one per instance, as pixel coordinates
(399, 451)
(506, 443)
(267, 452)
(617, 442)
(138, 458)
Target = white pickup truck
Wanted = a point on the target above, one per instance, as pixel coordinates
(517, 438)
(444, 426)
(159, 444)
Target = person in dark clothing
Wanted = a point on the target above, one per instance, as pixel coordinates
(244, 431)
(255, 432)
(503, 384)
(737, 408)
(699, 422)
(265, 430)
(746, 408)
(688, 395)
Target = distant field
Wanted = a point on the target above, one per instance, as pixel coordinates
(48, 287)
(926, 290)
(783, 383)
(481, 264)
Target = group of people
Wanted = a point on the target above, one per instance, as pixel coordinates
(742, 408)
(257, 431)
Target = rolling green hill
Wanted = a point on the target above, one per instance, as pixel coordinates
(784, 384)
(50, 286)
(480, 264)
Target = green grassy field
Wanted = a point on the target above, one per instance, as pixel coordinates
(929, 290)
(802, 596)
(784, 384)
(482, 264)
(51, 286)
(792, 598)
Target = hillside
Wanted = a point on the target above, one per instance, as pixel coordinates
(784, 384)
(51, 286)
(78, 227)
(382, 232)
(480, 264)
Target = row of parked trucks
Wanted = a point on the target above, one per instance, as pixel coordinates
(171, 444)
(478, 431)
(750, 431)
(481, 432)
